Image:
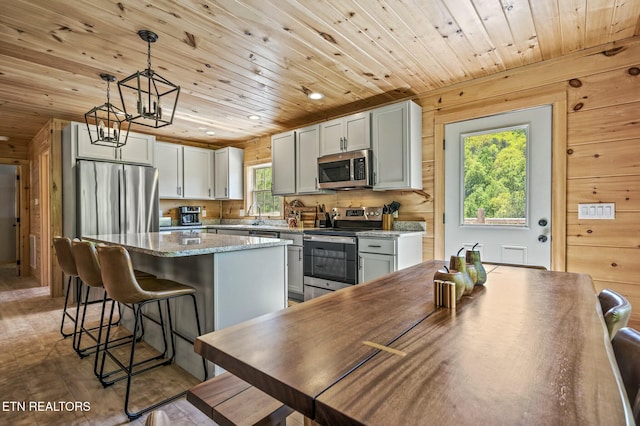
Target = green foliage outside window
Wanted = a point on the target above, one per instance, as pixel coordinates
(495, 177)
(269, 204)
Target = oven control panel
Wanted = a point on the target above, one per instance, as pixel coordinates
(358, 213)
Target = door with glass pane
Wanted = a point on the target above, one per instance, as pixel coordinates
(498, 186)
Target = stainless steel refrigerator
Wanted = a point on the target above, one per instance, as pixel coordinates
(114, 198)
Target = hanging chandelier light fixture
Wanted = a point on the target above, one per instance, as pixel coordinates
(107, 125)
(147, 98)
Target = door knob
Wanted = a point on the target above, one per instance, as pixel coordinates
(542, 238)
(543, 222)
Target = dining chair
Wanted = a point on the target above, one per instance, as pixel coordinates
(119, 280)
(626, 346)
(616, 310)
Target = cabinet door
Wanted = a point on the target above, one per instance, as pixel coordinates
(283, 163)
(331, 137)
(197, 174)
(373, 266)
(295, 263)
(168, 161)
(357, 132)
(139, 149)
(221, 181)
(307, 148)
(94, 152)
(397, 146)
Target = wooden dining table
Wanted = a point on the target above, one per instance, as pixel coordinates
(528, 347)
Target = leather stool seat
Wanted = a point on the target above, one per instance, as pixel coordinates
(122, 286)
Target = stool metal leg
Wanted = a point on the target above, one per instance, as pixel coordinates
(65, 313)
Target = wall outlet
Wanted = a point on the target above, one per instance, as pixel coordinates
(204, 213)
(241, 214)
(597, 211)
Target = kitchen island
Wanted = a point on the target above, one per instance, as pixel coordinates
(236, 278)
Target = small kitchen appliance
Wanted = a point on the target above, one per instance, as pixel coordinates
(347, 170)
(189, 215)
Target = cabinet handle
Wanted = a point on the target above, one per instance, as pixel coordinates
(345, 144)
(374, 246)
(209, 192)
(375, 178)
(316, 179)
(179, 190)
(360, 262)
(299, 255)
(225, 192)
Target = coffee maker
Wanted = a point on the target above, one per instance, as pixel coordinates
(189, 215)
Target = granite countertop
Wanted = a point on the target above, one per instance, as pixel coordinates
(184, 243)
(401, 228)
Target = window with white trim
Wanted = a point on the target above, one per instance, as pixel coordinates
(259, 195)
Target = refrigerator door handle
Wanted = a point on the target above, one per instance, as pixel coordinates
(122, 199)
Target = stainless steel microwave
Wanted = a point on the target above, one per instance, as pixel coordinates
(346, 170)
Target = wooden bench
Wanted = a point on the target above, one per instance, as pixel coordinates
(231, 401)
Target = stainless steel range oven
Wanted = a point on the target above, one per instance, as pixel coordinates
(331, 254)
(330, 263)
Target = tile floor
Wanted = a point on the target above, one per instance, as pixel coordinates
(42, 379)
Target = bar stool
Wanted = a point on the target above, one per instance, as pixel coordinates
(88, 267)
(62, 246)
(122, 286)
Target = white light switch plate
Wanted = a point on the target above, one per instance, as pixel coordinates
(597, 211)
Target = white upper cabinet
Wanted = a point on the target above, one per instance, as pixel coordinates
(168, 161)
(198, 172)
(294, 157)
(307, 152)
(139, 147)
(349, 133)
(283, 163)
(397, 146)
(229, 174)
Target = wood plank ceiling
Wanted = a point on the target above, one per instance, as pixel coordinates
(234, 58)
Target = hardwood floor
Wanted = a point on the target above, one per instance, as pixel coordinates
(42, 379)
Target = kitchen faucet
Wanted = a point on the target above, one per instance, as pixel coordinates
(259, 221)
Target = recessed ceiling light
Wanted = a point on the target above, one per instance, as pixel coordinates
(210, 133)
(315, 96)
(253, 117)
(4, 138)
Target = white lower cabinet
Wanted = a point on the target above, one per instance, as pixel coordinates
(221, 231)
(295, 264)
(378, 256)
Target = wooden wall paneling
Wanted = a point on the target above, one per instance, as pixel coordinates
(56, 285)
(14, 151)
(623, 231)
(622, 190)
(614, 87)
(611, 158)
(611, 123)
(577, 65)
(613, 264)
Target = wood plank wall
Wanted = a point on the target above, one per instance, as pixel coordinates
(602, 87)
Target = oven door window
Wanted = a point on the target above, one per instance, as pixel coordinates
(330, 261)
(335, 171)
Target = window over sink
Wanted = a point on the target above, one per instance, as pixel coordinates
(260, 201)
